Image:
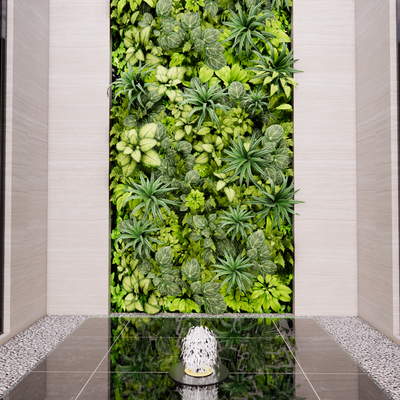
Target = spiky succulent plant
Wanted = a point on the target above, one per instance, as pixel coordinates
(136, 234)
(132, 84)
(276, 69)
(237, 221)
(280, 203)
(152, 194)
(245, 29)
(255, 102)
(246, 159)
(205, 99)
(234, 271)
(277, 4)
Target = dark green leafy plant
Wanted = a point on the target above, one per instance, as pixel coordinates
(132, 84)
(237, 221)
(280, 203)
(246, 159)
(152, 194)
(255, 102)
(245, 29)
(276, 69)
(136, 234)
(205, 99)
(277, 4)
(235, 271)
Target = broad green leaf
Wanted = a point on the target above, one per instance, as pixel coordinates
(195, 236)
(264, 252)
(256, 240)
(230, 194)
(198, 45)
(236, 91)
(284, 107)
(164, 256)
(190, 20)
(211, 7)
(210, 35)
(148, 131)
(192, 177)
(213, 49)
(173, 289)
(220, 185)
(274, 133)
(176, 59)
(216, 62)
(198, 300)
(252, 254)
(163, 8)
(195, 34)
(173, 40)
(195, 287)
(205, 74)
(127, 284)
(214, 300)
(202, 159)
(121, 5)
(281, 161)
(210, 289)
(130, 120)
(191, 269)
(151, 158)
(151, 309)
(147, 143)
(267, 267)
(199, 222)
(145, 267)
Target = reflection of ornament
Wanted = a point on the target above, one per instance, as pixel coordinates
(199, 393)
(199, 352)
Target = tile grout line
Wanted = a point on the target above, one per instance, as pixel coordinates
(312, 387)
(105, 355)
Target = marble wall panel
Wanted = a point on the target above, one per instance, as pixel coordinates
(78, 212)
(26, 165)
(377, 165)
(325, 232)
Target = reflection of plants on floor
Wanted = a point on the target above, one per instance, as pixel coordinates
(201, 146)
(252, 349)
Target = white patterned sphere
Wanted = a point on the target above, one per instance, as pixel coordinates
(199, 351)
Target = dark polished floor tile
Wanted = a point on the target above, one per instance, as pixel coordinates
(346, 386)
(314, 349)
(80, 353)
(102, 327)
(49, 386)
(161, 387)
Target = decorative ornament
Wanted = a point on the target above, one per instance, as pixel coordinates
(199, 352)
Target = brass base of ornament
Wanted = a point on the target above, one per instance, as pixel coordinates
(208, 371)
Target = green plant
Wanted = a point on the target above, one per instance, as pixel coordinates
(137, 147)
(136, 234)
(246, 159)
(132, 84)
(245, 29)
(280, 202)
(237, 221)
(235, 271)
(169, 78)
(151, 193)
(267, 293)
(277, 4)
(204, 98)
(276, 69)
(229, 75)
(255, 102)
(195, 200)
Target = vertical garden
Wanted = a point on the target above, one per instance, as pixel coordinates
(201, 149)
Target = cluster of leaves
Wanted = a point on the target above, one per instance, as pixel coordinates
(201, 145)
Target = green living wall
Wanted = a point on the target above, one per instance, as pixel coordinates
(201, 148)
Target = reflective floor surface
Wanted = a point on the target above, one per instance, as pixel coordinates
(129, 358)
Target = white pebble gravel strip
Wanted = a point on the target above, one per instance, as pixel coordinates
(377, 355)
(20, 354)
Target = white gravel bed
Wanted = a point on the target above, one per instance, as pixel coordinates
(377, 355)
(20, 354)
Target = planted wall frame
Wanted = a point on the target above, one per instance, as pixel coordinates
(201, 148)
